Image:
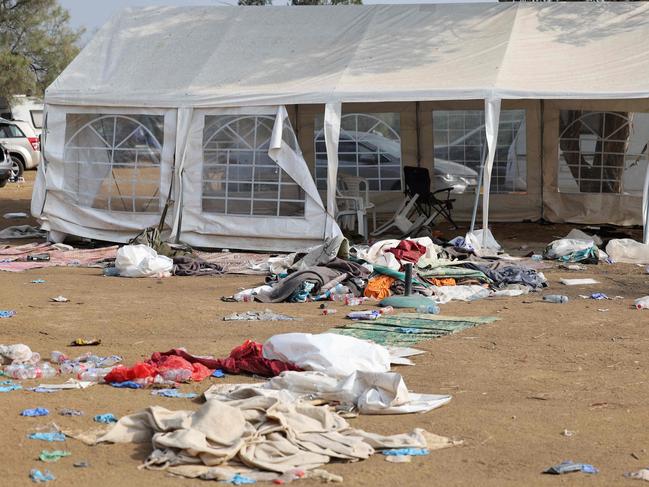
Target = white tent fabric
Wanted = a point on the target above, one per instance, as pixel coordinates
(215, 57)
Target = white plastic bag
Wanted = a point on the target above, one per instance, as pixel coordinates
(642, 303)
(481, 241)
(565, 246)
(142, 261)
(628, 251)
(335, 355)
(18, 354)
(444, 294)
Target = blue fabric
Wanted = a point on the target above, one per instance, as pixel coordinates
(174, 393)
(55, 436)
(39, 477)
(218, 373)
(569, 466)
(7, 313)
(38, 281)
(7, 386)
(406, 451)
(241, 480)
(34, 412)
(301, 294)
(46, 390)
(105, 418)
(127, 384)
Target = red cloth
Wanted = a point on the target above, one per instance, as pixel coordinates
(247, 357)
(151, 368)
(408, 250)
(139, 371)
(169, 362)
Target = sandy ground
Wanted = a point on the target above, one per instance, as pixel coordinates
(517, 384)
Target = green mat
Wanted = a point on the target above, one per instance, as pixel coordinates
(405, 329)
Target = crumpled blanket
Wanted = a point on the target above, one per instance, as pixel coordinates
(193, 266)
(319, 275)
(505, 273)
(247, 357)
(408, 250)
(272, 434)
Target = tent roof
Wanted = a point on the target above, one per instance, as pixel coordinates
(231, 56)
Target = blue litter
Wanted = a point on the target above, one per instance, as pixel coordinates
(413, 452)
(218, 373)
(7, 313)
(569, 466)
(127, 384)
(42, 389)
(241, 480)
(34, 412)
(38, 281)
(54, 436)
(8, 386)
(173, 393)
(598, 296)
(40, 477)
(105, 418)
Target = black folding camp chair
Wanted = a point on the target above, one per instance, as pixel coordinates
(430, 203)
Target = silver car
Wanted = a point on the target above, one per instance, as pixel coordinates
(22, 143)
(5, 166)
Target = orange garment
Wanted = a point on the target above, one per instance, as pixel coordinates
(379, 287)
(446, 281)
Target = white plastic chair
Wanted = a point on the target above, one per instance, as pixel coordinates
(406, 219)
(353, 201)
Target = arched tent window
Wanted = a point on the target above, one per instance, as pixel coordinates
(239, 178)
(602, 152)
(369, 147)
(112, 162)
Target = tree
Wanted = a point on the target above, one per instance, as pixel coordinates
(36, 44)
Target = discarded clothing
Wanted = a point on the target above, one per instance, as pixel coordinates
(447, 281)
(264, 433)
(642, 474)
(127, 384)
(173, 393)
(505, 273)
(53, 456)
(378, 287)
(281, 291)
(158, 365)
(369, 392)
(193, 266)
(569, 467)
(444, 294)
(408, 251)
(8, 386)
(34, 412)
(572, 250)
(106, 418)
(266, 315)
(247, 358)
(50, 436)
(39, 477)
(406, 451)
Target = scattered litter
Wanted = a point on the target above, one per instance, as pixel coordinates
(572, 267)
(142, 261)
(238, 479)
(266, 315)
(106, 418)
(53, 456)
(642, 474)
(85, 342)
(570, 466)
(44, 257)
(60, 299)
(70, 384)
(364, 315)
(127, 384)
(406, 451)
(572, 250)
(568, 433)
(7, 313)
(578, 282)
(596, 296)
(81, 464)
(642, 303)
(49, 436)
(602, 310)
(38, 281)
(39, 477)
(327, 312)
(174, 393)
(70, 412)
(18, 354)
(218, 373)
(8, 386)
(627, 251)
(556, 298)
(399, 459)
(14, 216)
(34, 412)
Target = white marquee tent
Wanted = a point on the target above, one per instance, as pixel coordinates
(205, 106)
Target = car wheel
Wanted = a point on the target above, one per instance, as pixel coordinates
(17, 168)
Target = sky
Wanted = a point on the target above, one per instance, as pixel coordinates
(92, 14)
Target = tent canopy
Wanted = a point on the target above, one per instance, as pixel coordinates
(229, 56)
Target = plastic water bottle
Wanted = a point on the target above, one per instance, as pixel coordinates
(46, 370)
(58, 357)
(354, 301)
(21, 371)
(110, 361)
(386, 310)
(556, 298)
(642, 303)
(340, 298)
(94, 374)
(177, 375)
(431, 309)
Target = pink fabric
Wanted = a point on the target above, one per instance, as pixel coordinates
(58, 258)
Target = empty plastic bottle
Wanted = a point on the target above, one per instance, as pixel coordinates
(341, 298)
(431, 309)
(21, 371)
(58, 357)
(46, 370)
(556, 298)
(177, 375)
(94, 374)
(354, 301)
(386, 310)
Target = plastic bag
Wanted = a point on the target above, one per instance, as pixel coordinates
(142, 261)
(571, 250)
(481, 241)
(335, 355)
(628, 251)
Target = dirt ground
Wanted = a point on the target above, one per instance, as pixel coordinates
(517, 384)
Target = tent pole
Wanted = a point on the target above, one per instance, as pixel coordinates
(477, 190)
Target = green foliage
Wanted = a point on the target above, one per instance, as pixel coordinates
(36, 44)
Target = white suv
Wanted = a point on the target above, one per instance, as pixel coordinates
(22, 143)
